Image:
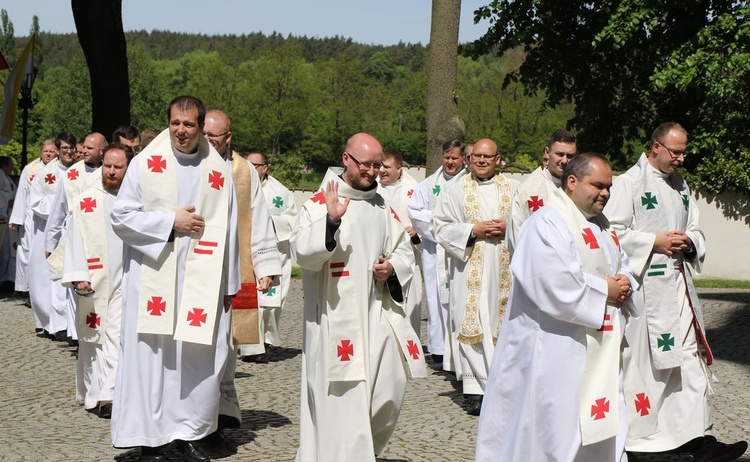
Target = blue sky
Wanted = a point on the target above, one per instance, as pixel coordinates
(366, 21)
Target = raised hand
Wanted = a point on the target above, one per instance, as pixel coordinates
(335, 208)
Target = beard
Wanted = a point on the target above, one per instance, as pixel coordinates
(111, 184)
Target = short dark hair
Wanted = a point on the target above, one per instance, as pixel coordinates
(185, 103)
(127, 132)
(664, 129)
(396, 155)
(67, 137)
(580, 166)
(561, 136)
(5, 160)
(129, 154)
(260, 153)
(453, 144)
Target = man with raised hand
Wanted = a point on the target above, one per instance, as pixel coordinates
(93, 268)
(555, 389)
(537, 187)
(470, 222)
(359, 348)
(658, 224)
(420, 209)
(177, 217)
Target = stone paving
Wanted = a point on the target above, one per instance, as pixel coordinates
(39, 420)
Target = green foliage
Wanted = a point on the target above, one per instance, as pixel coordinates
(13, 150)
(631, 64)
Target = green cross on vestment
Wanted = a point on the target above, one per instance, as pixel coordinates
(271, 291)
(278, 202)
(685, 201)
(665, 342)
(649, 201)
(436, 190)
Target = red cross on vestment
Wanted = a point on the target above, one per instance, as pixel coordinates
(589, 238)
(345, 350)
(615, 238)
(600, 408)
(88, 204)
(197, 317)
(50, 178)
(216, 180)
(157, 164)
(535, 203)
(93, 320)
(73, 174)
(642, 404)
(156, 306)
(413, 349)
(319, 198)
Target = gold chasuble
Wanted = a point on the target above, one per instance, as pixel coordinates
(245, 319)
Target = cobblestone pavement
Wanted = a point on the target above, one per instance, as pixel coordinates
(39, 420)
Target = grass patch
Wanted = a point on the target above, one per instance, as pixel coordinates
(721, 284)
(296, 272)
(309, 181)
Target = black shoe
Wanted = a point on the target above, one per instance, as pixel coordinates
(693, 446)
(72, 342)
(473, 404)
(105, 411)
(38, 330)
(193, 451)
(437, 359)
(149, 454)
(215, 439)
(61, 336)
(716, 451)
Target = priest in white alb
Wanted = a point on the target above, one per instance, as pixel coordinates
(555, 387)
(420, 209)
(397, 187)
(533, 192)
(176, 216)
(48, 298)
(93, 268)
(469, 223)
(22, 219)
(358, 346)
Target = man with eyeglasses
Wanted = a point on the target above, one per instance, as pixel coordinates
(48, 298)
(658, 226)
(537, 187)
(283, 212)
(434, 268)
(22, 219)
(129, 136)
(93, 269)
(359, 347)
(259, 261)
(76, 178)
(470, 222)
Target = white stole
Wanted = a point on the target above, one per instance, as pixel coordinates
(194, 320)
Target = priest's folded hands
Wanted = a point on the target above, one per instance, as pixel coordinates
(618, 288)
(494, 228)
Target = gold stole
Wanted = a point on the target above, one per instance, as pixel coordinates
(91, 312)
(471, 327)
(245, 319)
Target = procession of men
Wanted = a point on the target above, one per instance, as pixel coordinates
(559, 305)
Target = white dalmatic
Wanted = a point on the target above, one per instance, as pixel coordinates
(397, 195)
(167, 389)
(479, 269)
(99, 250)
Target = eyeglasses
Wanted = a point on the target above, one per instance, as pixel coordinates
(67, 148)
(673, 152)
(365, 166)
(486, 157)
(137, 148)
(215, 135)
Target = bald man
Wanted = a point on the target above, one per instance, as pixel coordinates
(470, 221)
(359, 347)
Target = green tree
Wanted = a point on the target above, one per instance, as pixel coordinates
(7, 38)
(148, 89)
(630, 64)
(64, 101)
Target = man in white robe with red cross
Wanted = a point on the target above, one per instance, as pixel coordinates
(176, 216)
(359, 348)
(555, 389)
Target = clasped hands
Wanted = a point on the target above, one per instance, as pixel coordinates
(494, 228)
(671, 242)
(618, 288)
(187, 222)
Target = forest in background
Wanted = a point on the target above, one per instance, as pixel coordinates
(296, 98)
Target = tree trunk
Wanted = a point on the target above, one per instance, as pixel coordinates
(443, 123)
(100, 32)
